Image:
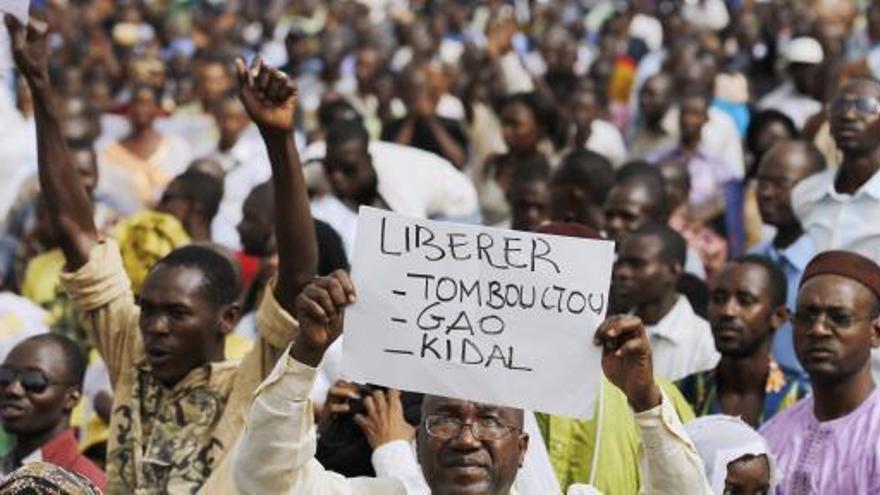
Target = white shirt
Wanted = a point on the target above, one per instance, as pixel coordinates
(19, 320)
(246, 166)
(682, 343)
(606, 140)
(718, 138)
(276, 451)
(839, 221)
(789, 101)
(411, 181)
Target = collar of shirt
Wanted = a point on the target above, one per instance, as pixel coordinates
(206, 374)
(798, 254)
(674, 327)
(821, 187)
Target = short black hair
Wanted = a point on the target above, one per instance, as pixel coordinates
(343, 131)
(336, 109)
(775, 274)
(75, 361)
(764, 118)
(534, 168)
(541, 107)
(220, 280)
(815, 159)
(588, 170)
(202, 189)
(674, 248)
(648, 176)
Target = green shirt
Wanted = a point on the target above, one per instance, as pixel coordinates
(571, 442)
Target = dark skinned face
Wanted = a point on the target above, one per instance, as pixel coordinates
(466, 465)
(655, 98)
(741, 310)
(627, 208)
(144, 109)
(641, 275)
(28, 413)
(530, 205)
(520, 128)
(778, 173)
(749, 476)
(256, 229)
(856, 131)
(694, 115)
(835, 328)
(570, 203)
(181, 329)
(349, 169)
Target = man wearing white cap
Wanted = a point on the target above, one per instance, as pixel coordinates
(794, 97)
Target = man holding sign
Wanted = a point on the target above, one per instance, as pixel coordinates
(463, 446)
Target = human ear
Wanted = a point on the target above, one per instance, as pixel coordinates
(523, 448)
(71, 399)
(779, 317)
(229, 317)
(875, 333)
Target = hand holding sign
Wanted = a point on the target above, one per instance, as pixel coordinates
(626, 360)
(320, 308)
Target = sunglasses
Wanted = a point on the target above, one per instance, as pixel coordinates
(863, 105)
(33, 381)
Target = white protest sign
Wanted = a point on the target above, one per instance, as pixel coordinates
(477, 313)
(18, 8)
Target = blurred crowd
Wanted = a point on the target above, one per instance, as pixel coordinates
(730, 149)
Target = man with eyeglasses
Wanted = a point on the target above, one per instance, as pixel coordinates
(839, 208)
(462, 446)
(40, 384)
(828, 443)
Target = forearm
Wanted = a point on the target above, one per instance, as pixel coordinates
(448, 146)
(405, 134)
(294, 227)
(69, 206)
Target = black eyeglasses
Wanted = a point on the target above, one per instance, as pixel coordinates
(834, 318)
(486, 429)
(33, 381)
(864, 105)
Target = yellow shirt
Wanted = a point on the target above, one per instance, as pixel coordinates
(166, 440)
(571, 443)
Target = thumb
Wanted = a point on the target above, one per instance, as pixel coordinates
(16, 33)
(242, 72)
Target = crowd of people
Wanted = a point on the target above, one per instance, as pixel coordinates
(180, 189)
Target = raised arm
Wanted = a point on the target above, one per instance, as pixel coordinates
(270, 98)
(70, 208)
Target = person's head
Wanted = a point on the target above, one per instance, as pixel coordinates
(334, 109)
(588, 103)
(677, 180)
(257, 226)
(213, 80)
(804, 57)
(649, 264)
(782, 168)
(638, 198)
(367, 66)
(854, 115)
(747, 305)
(836, 318)
(193, 198)
(232, 120)
(144, 108)
(348, 164)
(578, 188)
(40, 384)
(529, 194)
(698, 75)
(766, 128)
(524, 122)
(86, 163)
(481, 458)
(417, 82)
(655, 97)
(209, 166)
(694, 115)
(736, 458)
(189, 302)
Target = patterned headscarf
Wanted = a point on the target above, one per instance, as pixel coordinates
(144, 239)
(40, 478)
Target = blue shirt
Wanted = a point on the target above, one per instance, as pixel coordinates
(793, 261)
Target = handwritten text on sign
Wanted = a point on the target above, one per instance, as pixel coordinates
(477, 313)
